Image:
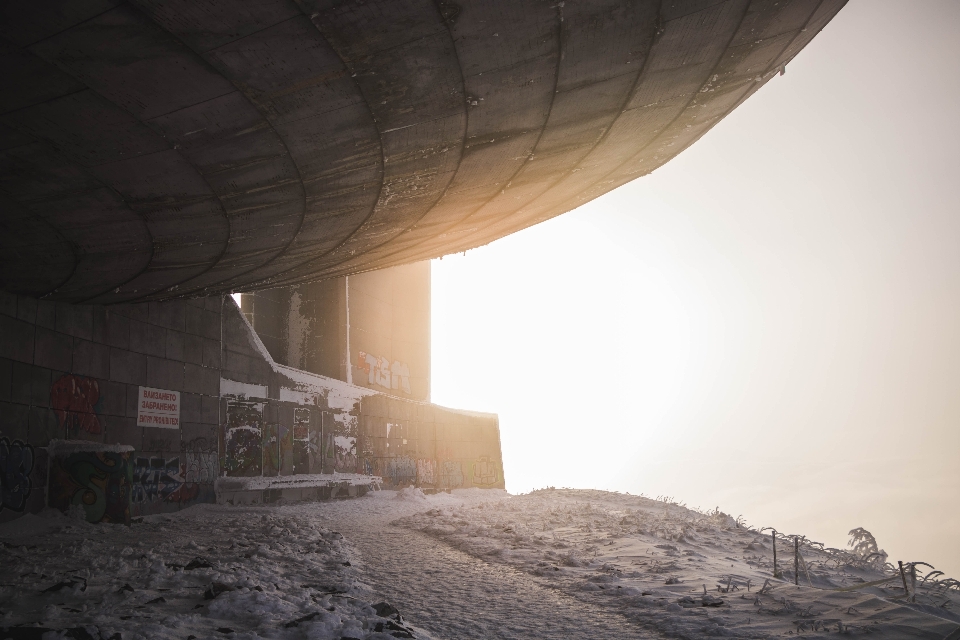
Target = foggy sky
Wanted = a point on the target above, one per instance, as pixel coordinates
(769, 324)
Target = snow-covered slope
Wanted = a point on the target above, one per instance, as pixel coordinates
(472, 564)
(688, 574)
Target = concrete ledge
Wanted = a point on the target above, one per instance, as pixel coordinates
(66, 447)
(297, 488)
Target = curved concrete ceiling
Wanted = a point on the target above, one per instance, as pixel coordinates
(163, 148)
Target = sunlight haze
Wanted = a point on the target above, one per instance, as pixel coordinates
(768, 324)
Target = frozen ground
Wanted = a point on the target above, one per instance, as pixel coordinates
(474, 564)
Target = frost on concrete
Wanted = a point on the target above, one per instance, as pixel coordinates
(66, 447)
(260, 483)
(243, 390)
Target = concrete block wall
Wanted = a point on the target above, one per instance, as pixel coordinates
(70, 377)
(390, 319)
(267, 312)
(317, 329)
(370, 329)
(410, 443)
(350, 429)
(73, 372)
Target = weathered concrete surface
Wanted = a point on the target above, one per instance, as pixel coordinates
(157, 149)
(247, 428)
(381, 342)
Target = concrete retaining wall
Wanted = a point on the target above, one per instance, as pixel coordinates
(73, 373)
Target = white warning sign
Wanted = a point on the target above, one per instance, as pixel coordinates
(158, 408)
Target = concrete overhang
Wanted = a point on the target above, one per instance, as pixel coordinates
(155, 149)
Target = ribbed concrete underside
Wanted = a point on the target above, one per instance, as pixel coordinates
(163, 148)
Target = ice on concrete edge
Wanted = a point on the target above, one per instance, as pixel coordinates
(255, 341)
(300, 481)
(233, 388)
(66, 447)
(339, 394)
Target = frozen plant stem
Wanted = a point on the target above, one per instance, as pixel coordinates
(904, 578)
(796, 561)
(773, 536)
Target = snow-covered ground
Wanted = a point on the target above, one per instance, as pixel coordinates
(687, 574)
(472, 564)
(206, 572)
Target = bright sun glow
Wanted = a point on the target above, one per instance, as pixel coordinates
(768, 323)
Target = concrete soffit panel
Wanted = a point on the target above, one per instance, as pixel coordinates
(155, 150)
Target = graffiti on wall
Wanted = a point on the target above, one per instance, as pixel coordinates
(485, 472)
(312, 429)
(76, 401)
(451, 474)
(161, 480)
(97, 481)
(200, 468)
(271, 449)
(368, 467)
(426, 471)
(343, 438)
(301, 440)
(16, 464)
(243, 438)
(401, 471)
(200, 461)
(315, 451)
(345, 453)
(381, 372)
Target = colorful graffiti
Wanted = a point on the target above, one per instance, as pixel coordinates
(97, 481)
(161, 480)
(426, 471)
(314, 431)
(401, 471)
(76, 401)
(485, 472)
(368, 467)
(381, 372)
(243, 438)
(16, 464)
(366, 442)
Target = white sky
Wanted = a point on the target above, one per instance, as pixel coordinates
(769, 323)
